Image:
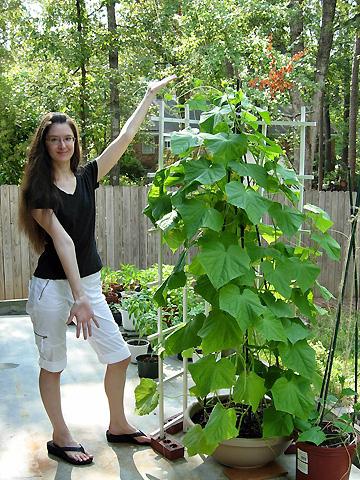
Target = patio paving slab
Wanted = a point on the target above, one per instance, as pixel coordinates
(25, 429)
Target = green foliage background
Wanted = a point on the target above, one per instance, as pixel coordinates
(215, 40)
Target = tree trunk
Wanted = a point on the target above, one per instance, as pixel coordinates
(297, 45)
(322, 64)
(354, 107)
(328, 150)
(321, 148)
(114, 91)
(345, 133)
(296, 22)
(80, 10)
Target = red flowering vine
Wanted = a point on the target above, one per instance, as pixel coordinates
(277, 79)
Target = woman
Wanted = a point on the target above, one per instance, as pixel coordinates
(57, 211)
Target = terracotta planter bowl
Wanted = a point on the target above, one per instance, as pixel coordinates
(243, 452)
(317, 462)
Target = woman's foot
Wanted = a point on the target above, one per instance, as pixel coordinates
(78, 456)
(127, 434)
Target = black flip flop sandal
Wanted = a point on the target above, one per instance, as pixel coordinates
(127, 438)
(60, 452)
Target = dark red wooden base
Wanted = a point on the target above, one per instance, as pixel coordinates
(176, 427)
(168, 447)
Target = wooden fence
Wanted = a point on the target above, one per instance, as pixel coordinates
(123, 236)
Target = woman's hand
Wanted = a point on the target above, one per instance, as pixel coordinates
(82, 311)
(156, 85)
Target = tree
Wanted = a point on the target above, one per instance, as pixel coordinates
(114, 91)
(83, 60)
(321, 69)
(354, 106)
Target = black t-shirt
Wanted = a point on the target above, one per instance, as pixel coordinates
(77, 215)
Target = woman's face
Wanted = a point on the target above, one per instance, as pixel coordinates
(60, 142)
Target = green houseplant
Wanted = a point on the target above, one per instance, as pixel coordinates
(257, 278)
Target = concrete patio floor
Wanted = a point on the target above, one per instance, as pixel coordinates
(25, 429)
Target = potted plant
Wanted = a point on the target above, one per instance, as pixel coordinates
(110, 285)
(148, 365)
(139, 308)
(137, 346)
(127, 318)
(327, 441)
(116, 311)
(254, 274)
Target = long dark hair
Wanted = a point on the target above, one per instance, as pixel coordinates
(37, 186)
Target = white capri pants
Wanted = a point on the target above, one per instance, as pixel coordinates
(49, 306)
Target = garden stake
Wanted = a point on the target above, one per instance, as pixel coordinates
(356, 341)
(329, 363)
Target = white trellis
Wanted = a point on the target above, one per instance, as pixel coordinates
(186, 121)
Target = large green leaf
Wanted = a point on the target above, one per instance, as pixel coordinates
(221, 424)
(225, 147)
(199, 101)
(278, 307)
(271, 327)
(174, 237)
(247, 279)
(260, 144)
(175, 280)
(210, 375)
(146, 396)
(324, 292)
(210, 119)
(245, 307)
(293, 396)
(205, 288)
(167, 221)
(204, 171)
(295, 329)
(286, 218)
(195, 268)
(328, 243)
(219, 332)
(197, 214)
(288, 176)
(252, 170)
(304, 272)
(222, 258)
(276, 423)
(299, 356)
(175, 175)
(264, 114)
(249, 389)
(196, 441)
(248, 199)
(320, 218)
(278, 275)
(185, 337)
(158, 206)
(181, 142)
(256, 252)
(301, 300)
(292, 195)
(313, 435)
(269, 233)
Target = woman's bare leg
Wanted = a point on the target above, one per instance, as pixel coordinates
(114, 382)
(49, 383)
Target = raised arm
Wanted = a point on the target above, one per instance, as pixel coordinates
(115, 150)
(65, 249)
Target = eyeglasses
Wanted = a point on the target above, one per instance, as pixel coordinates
(68, 140)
